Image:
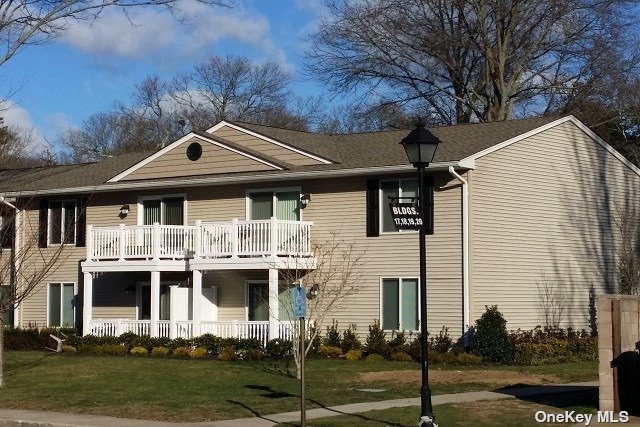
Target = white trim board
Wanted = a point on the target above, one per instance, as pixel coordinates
(180, 142)
(550, 125)
(267, 139)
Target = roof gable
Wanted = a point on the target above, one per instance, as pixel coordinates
(217, 157)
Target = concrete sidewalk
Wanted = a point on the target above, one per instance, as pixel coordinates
(23, 418)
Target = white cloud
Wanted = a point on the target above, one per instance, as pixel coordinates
(151, 32)
(18, 117)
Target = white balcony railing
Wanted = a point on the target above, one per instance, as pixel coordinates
(184, 328)
(204, 240)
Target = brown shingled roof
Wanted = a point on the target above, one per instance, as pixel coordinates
(344, 150)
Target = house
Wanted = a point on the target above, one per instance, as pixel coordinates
(194, 238)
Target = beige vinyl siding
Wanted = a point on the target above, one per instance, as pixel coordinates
(265, 147)
(543, 209)
(214, 160)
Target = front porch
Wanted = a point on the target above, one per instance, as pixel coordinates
(187, 329)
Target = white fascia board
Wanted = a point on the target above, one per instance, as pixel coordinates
(226, 180)
(272, 141)
(179, 142)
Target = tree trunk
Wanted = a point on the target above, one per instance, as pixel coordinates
(1, 353)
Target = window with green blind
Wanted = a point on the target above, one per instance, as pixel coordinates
(61, 307)
(164, 211)
(403, 188)
(282, 204)
(399, 304)
(62, 222)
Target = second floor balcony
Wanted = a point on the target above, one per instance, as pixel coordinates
(236, 239)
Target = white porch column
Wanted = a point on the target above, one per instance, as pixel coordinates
(87, 304)
(274, 327)
(155, 303)
(196, 301)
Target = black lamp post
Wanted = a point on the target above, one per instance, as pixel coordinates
(420, 146)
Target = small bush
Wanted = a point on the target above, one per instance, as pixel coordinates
(374, 357)
(415, 349)
(69, 349)
(353, 355)
(491, 339)
(401, 356)
(455, 358)
(253, 354)
(350, 340)
(398, 343)
(329, 352)
(198, 353)
(160, 351)
(208, 341)
(177, 342)
(279, 349)
(182, 351)
(228, 354)
(333, 336)
(376, 341)
(442, 342)
(139, 351)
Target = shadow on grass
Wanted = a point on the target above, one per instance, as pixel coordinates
(272, 394)
(10, 368)
(558, 396)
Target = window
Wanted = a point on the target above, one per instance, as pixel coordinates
(404, 188)
(7, 229)
(61, 307)
(399, 308)
(62, 222)
(163, 210)
(283, 204)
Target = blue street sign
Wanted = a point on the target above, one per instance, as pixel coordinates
(299, 302)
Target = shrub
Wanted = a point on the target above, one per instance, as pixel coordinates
(350, 340)
(182, 351)
(442, 342)
(491, 339)
(374, 357)
(401, 356)
(228, 354)
(69, 349)
(177, 342)
(451, 358)
(113, 349)
(398, 343)
(376, 342)
(198, 353)
(208, 341)
(139, 351)
(353, 355)
(333, 335)
(316, 342)
(253, 354)
(279, 348)
(160, 351)
(129, 339)
(329, 352)
(415, 349)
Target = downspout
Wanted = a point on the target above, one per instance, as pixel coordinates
(466, 312)
(14, 253)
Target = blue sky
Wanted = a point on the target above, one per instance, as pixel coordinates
(95, 64)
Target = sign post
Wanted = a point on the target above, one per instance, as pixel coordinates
(300, 311)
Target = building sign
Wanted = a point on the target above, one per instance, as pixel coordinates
(406, 216)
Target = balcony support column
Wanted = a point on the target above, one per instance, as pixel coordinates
(155, 303)
(274, 327)
(196, 301)
(87, 303)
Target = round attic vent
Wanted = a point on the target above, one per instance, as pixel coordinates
(194, 151)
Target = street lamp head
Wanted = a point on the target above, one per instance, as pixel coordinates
(420, 145)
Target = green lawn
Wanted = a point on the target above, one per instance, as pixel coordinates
(195, 390)
(510, 412)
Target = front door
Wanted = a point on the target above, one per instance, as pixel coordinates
(258, 301)
(144, 308)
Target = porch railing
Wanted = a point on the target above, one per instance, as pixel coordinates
(203, 240)
(185, 328)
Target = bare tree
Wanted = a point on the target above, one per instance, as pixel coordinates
(466, 60)
(337, 277)
(35, 22)
(627, 255)
(553, 301)
(23, 264)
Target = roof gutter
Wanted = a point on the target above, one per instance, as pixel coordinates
(466, 311)
(225, 180)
